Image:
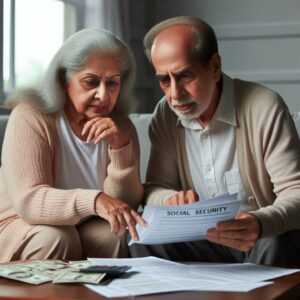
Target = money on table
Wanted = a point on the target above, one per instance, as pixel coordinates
(56, 271)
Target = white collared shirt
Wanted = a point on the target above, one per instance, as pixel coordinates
(212, 151)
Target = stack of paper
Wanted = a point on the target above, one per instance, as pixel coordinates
(154, 275)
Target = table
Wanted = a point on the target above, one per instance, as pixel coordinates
(286, 287)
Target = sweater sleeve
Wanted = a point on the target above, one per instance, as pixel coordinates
(123, 173)
(281, 154)
(28, 167)
(162, 180)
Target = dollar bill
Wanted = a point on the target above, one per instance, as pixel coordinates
(4, 270)
(76, 277)
(45, 264)
(23, 276)
(80, 264)
(51, 273)
(42, 271)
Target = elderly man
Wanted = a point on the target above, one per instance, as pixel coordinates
(212, 134)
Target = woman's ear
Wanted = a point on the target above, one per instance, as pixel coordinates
(63, 79)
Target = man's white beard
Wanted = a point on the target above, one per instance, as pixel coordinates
(192, 113)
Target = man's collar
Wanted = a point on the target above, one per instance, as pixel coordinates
(225, 111)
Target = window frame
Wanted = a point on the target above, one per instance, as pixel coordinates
(79, 17)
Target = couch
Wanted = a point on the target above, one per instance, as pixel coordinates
(141, 122)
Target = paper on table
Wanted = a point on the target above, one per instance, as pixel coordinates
(209, 271)
(143, 277)
(141, 264)
(141, 284)
(246, 272)
(190, 222)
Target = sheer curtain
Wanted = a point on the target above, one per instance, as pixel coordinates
(112, 15)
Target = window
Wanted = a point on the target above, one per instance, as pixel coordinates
(32, 31)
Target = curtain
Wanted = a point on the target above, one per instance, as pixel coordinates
(112, 15)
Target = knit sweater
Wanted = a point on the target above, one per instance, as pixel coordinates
(27, 176)
(268, 151)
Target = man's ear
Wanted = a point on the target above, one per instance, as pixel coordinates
(216, 66)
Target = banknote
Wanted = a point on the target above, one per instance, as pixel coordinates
(72, 277)
(38, 265)
(45, 264)
(79, 264)
(41, 271)
(50, 273)
(5, 271)
(23, 275)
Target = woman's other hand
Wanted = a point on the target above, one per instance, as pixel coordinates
(117, 134)
(119, 215)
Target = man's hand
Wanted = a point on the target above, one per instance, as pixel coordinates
(119, 215)
(240, 233)
(183, 197)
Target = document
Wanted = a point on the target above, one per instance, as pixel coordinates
(246, 272)
(149, 275)
(149, 264)
(184, 223)
(145, 284)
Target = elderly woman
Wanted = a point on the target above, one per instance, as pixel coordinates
(69, 179)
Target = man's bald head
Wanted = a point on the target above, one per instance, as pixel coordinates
(197, 34)
(172, 39)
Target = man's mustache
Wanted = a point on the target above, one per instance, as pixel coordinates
(176, 102)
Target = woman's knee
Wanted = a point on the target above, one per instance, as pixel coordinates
(51, 242)
(98, 241)
(65, 238)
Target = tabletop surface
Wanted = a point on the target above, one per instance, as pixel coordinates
(286, 287)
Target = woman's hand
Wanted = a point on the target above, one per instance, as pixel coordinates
(182, 197)
(119, 215)
(117, 135)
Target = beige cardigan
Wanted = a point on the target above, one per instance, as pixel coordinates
(268, 156)
(27, 195)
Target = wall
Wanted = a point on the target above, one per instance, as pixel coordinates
(141, 19)
(259, 40)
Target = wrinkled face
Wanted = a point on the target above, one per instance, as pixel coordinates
(93, 91)
(188, 85)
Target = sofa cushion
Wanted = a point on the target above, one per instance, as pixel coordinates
(296, 117)
(141, 122)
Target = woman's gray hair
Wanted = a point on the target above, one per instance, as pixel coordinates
(206, 42)
(73, 56)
